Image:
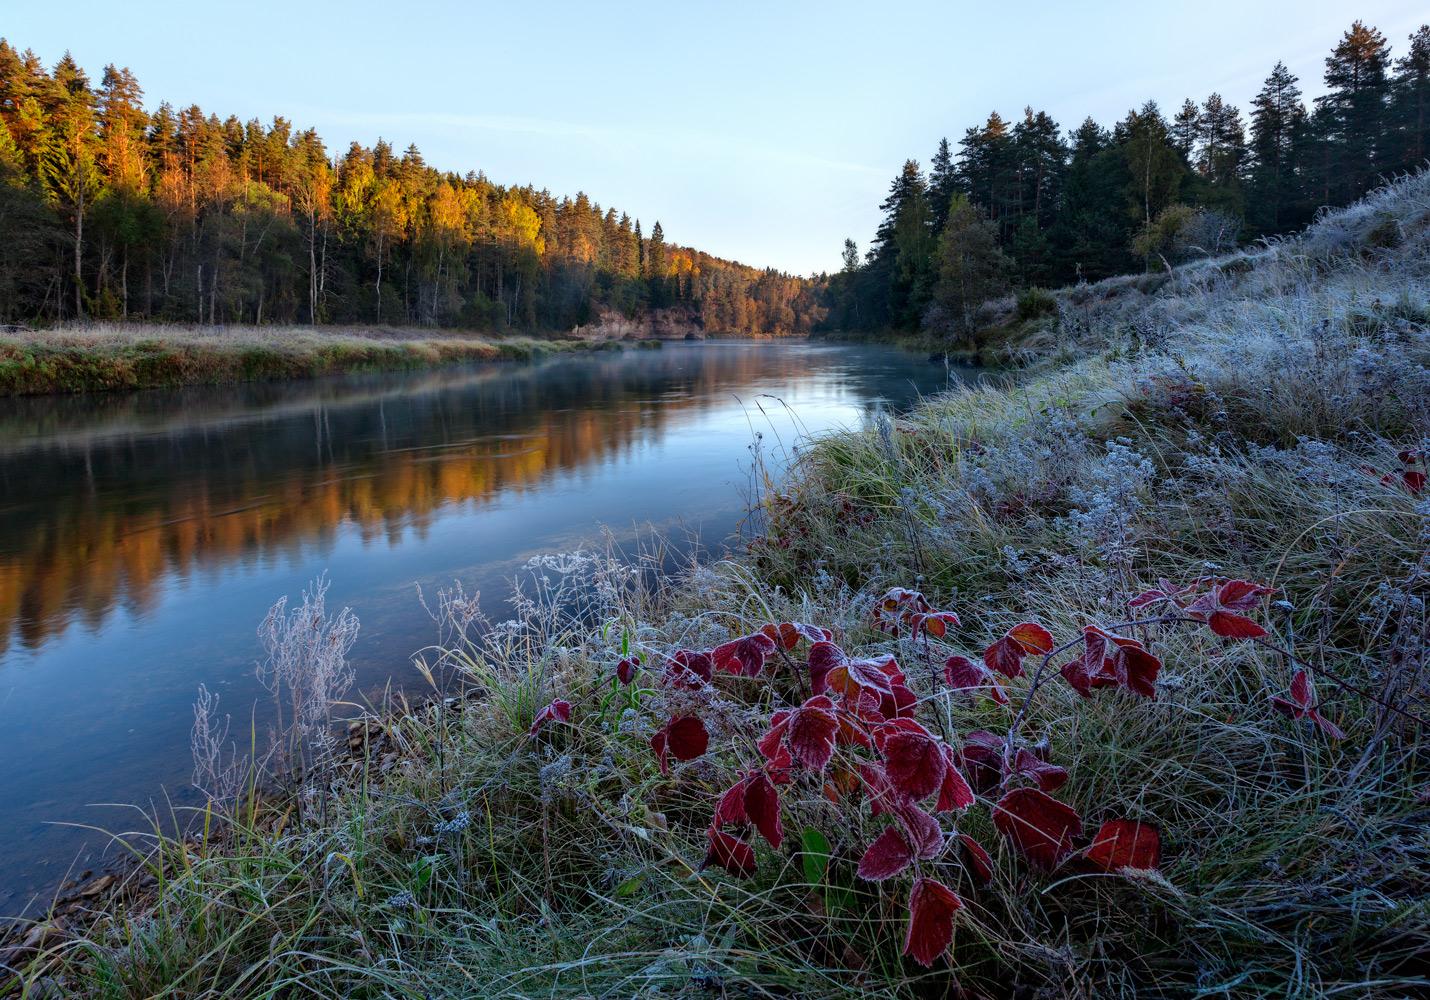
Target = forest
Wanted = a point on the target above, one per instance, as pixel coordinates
(110, 212)
(1021, 205)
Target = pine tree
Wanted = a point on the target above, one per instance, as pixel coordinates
(1411, 111)
(1355, 112)
(1278, 128)
(1187, 129)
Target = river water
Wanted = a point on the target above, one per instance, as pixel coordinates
(143, 535)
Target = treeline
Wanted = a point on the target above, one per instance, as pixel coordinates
(108, 211)
(1023, 205)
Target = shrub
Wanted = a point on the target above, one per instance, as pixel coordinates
(1035, 302)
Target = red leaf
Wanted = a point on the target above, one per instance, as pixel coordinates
(1325, 725)
(886, 857)
(935, 623)
(1075, 673)
(1039, 826)
(823, 657)
(558, 711)
(954, 793)
(811, 729)
(913, 758)
(1032, 637)
(687, 738)
(963, 674)
(689, 668)
(626, 669)
(1126, 843)
(931, 908)
(788, 634)
(1134, 667)
(975, 859)
(684, 738)
(1231, 626)
(762, 804)
(1241, 595)
(730, 809)
(730, 853)
(921, 829)
(1005, 656)
(1302, 705)
(898, 703)
(881, 795)
(770, 744)
(1048, 777)
(744, 657)
(982, 759)
(1414, 481)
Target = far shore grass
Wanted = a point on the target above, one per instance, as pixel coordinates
(108, 356)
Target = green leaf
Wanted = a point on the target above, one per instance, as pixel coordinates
(816, 855)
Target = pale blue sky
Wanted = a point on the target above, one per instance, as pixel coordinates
(766, 132)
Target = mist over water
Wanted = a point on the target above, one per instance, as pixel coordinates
(144, 535)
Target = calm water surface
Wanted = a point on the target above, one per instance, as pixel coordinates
(144, 535)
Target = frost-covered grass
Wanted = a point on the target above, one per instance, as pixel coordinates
(104, 356)
(1241, 420)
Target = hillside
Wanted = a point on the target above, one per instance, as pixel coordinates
(1208, 498)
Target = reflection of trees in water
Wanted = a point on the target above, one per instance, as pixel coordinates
(94, 516)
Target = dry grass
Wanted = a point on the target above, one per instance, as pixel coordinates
(128, 356)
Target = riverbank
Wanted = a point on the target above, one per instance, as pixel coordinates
(103, 357)
(1226, 472)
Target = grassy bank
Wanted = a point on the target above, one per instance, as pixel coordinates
(1262, 418)
(113, 356)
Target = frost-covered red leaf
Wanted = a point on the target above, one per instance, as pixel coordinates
(982, 758)
(689, 668)
(1024, 639)
(808, 731)
(886, 857)
(730, 853)
(745, 656)
(1302, 705)
(1048, 777)
(1034, 638)
(683, 738)
(913, 758)
(1005, 656)
(934, 623)
(762, 805)
(1234, 626)
(1133, 667)
(1040, 827)
(963, 674)
(954, 793)
(1126, 843)
(788, 634)
(931, 908)
(1241, 595)
(558, 711)
(626, 668)
(1110, 661)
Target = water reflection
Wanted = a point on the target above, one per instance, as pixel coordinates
(142, 535)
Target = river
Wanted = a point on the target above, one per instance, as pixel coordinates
(143, 535)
